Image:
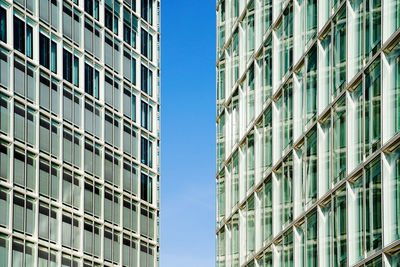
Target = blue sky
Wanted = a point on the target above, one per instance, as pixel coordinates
(187, 133)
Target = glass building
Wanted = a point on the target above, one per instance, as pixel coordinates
(79, 133)
(308, 133)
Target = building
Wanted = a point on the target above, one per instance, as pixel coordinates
(308, 133)
(79, 132)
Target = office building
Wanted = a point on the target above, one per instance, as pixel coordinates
(79, 133)
(308, 133)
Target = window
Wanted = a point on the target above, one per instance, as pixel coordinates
(44, 91)
(129, 214)
(70, 68)
(250, 91)
(77, 149)
(71, 27)
(146, 116)
(113, 165)
(71, 189)
(44, 10)
(129, 104)
(285, 193)
(339, 140)
(111, 245)
(55, 97)
(91, 81)
(339, 52)
(129, 251)
(54, 181)
(20, 252)
(24, 79)
(113, 129)
(339, 227)
(88, 31)
(249, 26)
(19, 121)
(24, 214)
(147, 222)
(310, 167)
(3, 24)
(44, 134)
(4, 114)
(250, 155)
(112, 52)
(130, 177)
(4, 160)
(4, 249)
(67, 187)
(20, 37)
(44, 214)
(4, 67)
(146, 255)
(307, 84)
(111, 15)
(92, 8)
(66, 229)
(146, 156)
(44, 177)
(146, 188)
(5, 207)
(55, 13)
(22, 120)
(93, 118)
(130, 28)
(373, 209)
(267, 204)
(92, 198)
(112, 204)
(129, 67)
(77, 108)
(129, 138)
(146, 80)
(71, 230)
(91, 238)
(112, 92)
(286, 115)
(146, 45)
(146, 10)
(285, 35)
(53, 57)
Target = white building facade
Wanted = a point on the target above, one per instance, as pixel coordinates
(79, 133)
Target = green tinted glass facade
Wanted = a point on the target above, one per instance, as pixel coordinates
(308, 133)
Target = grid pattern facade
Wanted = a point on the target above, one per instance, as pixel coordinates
(79, 133)
(308, 133)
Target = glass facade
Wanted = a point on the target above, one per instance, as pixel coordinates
(79, 133)
(308, 133)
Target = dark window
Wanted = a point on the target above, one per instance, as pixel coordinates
(146, 81)
(3, 24)
(91, 81)
(44, 50)
(19, 35)
(147, 10)
(143, 43)
(146, 151)
(67, 66)
(143, 187)
(89, 7)
(88, 79)
(144, 78)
